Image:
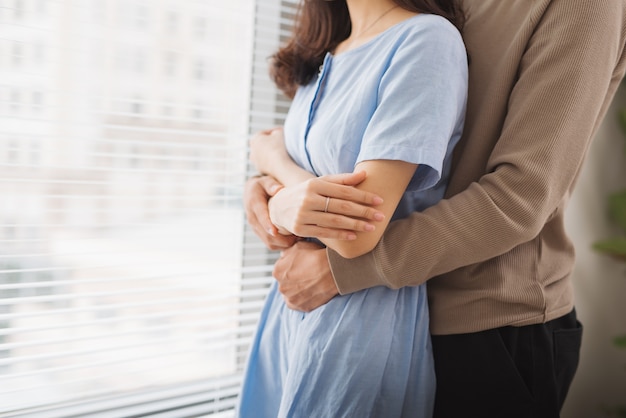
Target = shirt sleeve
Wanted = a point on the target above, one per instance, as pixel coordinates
(567, 74)
(421, 101)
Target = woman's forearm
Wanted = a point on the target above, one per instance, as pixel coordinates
(270, 157)
(301, 207)
(287, 172)
(310, 208)
(379, 175)
(327, 207)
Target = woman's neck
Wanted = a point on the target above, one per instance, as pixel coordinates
(364, 13)
(368, 19)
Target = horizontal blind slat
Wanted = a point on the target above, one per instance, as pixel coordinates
(106, 135)
(222, 388)
(109, 363)
(243, 306)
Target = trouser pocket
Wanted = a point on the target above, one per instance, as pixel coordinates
(567, 343)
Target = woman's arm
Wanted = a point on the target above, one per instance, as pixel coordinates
(270, 157)
(300, 208)
(385, 178)
(388, 179)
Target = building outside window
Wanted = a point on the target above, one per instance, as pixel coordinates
(129, 284)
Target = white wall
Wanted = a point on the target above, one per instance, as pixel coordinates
(600, 282)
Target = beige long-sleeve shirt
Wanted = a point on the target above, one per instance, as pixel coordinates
(495, 252)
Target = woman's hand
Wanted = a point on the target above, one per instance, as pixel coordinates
(267, 151)
(257, 192)
(326, 207)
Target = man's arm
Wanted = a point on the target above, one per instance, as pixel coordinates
(560, 96)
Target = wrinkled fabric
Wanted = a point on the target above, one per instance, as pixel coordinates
(367, 354)
(400, 96)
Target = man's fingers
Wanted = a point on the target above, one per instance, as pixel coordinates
(304, 277)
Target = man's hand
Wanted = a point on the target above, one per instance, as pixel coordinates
(304, 277)
(257, 192)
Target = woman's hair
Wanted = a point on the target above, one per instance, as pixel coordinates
(322, 24)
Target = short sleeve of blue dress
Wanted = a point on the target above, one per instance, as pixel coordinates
(400, 96)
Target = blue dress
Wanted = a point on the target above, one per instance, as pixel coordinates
(400, 96)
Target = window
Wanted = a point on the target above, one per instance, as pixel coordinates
(170, 59)
(172, 22)
(129, 284)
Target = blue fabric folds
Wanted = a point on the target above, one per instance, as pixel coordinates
(401, 96)
(367, 354)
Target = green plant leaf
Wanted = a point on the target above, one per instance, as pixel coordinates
(617, 208)
(620, 341)
(615, 247)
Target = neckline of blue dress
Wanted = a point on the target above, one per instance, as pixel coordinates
(374, 39)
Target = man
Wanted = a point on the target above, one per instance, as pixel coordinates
(495, 253)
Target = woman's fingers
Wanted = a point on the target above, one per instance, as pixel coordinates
(339, 186)
(258, 191)
(326, 207)
(323, 233)
(352, 210)
(311, 221)
(330, 205)
(316, 222)
(256, 194)
(348, 179)
(343, 200)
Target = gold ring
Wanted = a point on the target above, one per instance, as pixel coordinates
(327, 203)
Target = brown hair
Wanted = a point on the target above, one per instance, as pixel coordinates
(321, 25)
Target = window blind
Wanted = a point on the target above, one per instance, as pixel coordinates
(129, 283)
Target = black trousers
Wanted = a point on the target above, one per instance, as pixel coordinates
(508, 372)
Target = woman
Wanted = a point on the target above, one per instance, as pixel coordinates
(378, 87)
